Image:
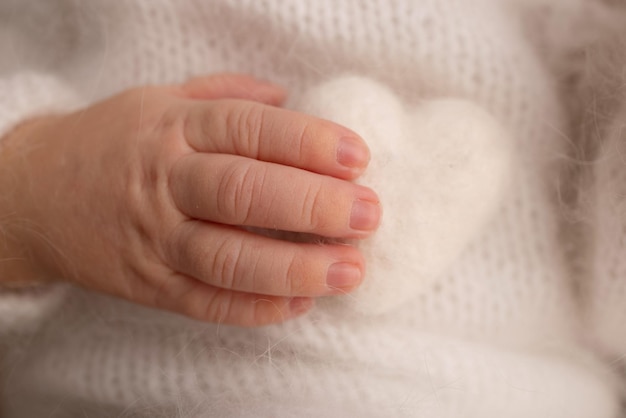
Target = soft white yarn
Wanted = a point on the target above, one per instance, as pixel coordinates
(440, 167)
(486, 327)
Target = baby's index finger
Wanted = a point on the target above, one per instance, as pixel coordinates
(276, 135)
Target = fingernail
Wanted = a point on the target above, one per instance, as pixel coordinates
(365, 215)
(343, 276)
(352, 153)
(298, 306)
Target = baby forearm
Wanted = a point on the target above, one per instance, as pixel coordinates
(18, 262)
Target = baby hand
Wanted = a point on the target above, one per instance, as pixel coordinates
(144, 196)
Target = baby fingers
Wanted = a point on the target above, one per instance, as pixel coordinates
(237, 260)
(236, 190)
(276, 135)
(196, 299)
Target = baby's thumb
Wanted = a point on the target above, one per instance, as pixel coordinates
(233, 86)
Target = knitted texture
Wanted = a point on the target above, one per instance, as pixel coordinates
(484, 327)
(22, 309)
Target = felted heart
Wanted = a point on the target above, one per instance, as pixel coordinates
(440, 169)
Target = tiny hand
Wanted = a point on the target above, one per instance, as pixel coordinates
(144, 196)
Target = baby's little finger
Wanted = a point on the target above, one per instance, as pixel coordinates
(201, 301)
(234, 259)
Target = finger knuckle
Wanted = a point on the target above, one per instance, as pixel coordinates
(219, 308)
(247, 121)
(239, 189)
(227, 264)
(294, 282)
(264, 312)
(303, 137)
(312, 207)
(227, 307)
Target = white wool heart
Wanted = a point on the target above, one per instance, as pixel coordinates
(440, 170)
